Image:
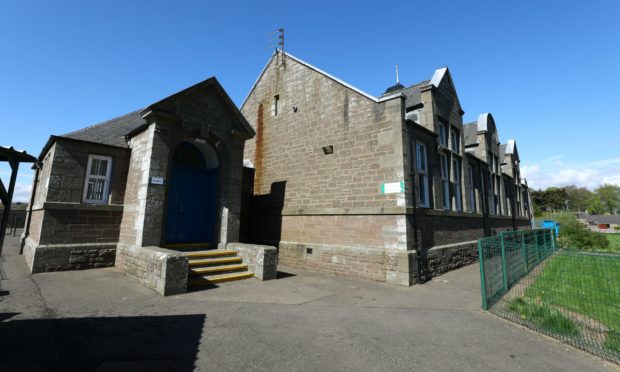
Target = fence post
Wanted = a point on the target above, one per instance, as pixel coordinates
(504, 268)
(524, 251)
(483, 285)
(537, 247)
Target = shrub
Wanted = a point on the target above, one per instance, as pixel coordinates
(617, 227)
(574, 234)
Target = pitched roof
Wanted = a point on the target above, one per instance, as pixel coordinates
(276, 55)
(114, 132)
(606, 218)
(470, 132)
(111, 132)
(413, 93)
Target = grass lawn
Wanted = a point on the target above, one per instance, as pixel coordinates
(614, 241)
(585, 283)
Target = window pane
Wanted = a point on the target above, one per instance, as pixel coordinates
(103, 168)
(422, 179)
(94, 168)
(95, 189)
(443, 135)
(421, 157)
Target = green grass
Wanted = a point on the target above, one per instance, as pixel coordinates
(612, 342)
(614, 241)
(544, 316)
(583, 283)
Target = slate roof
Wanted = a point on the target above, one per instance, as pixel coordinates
(605, 218)
(413, 93)
(111, 132)
(470, 132)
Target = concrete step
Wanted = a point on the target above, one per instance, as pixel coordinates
(212, 279)
(198, 262)
(211, 253)
(218, 269)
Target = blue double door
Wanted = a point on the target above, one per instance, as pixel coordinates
(192, 205)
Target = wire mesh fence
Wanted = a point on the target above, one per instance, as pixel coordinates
(571, 295)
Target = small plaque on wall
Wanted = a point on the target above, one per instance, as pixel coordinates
(157, 180)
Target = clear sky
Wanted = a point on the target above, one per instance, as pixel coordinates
(548, 71)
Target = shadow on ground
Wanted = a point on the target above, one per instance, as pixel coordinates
(283, 275)
(141, 343)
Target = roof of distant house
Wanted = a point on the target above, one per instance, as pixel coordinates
(601, 218)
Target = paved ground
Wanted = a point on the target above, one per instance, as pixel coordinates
(104, 321)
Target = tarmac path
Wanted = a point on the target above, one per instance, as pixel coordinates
(102, 320)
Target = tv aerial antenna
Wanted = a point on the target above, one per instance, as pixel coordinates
(278, 43)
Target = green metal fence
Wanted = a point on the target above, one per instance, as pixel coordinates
(567, 294)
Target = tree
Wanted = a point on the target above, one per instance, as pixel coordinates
(552, 199)
(595, 206)
(579, 198)
(609, 196)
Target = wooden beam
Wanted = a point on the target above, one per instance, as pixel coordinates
(4, 196)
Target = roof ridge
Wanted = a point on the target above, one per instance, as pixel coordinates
(423, 82)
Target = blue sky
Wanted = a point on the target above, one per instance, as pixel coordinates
(546, 70)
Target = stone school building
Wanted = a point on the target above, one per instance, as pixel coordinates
(394, 188)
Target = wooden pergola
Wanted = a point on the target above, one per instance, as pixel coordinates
(13, 157)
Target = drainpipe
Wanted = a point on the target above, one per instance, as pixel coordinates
(412, 144)
(37, 166)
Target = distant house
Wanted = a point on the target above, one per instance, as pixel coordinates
(603, 222)
(392, 188)
(166, 174)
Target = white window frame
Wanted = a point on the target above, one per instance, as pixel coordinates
(422, 168)
(458, 198)
(445, 180)
(106, 178)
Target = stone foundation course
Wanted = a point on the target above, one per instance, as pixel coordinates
(61, 257)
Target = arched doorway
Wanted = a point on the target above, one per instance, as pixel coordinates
(192, 195)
